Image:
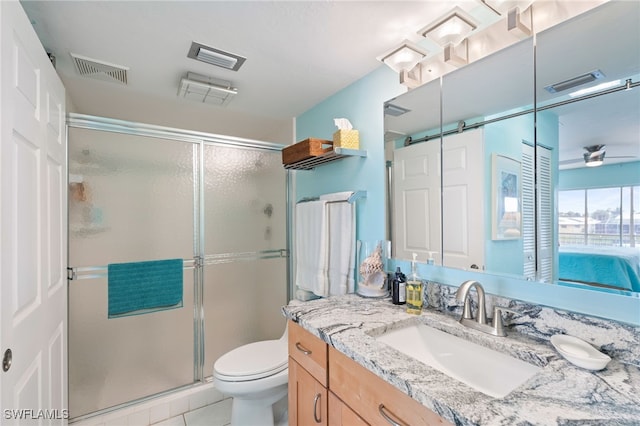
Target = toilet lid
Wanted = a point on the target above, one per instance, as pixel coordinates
(253, 361)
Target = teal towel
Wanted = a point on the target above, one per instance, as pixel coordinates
(142, 287)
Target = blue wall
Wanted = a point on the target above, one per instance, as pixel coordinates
(504, 138)
(361, 103)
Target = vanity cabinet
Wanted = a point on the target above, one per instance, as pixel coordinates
(325, 385)
(341, 415)
(308, 403)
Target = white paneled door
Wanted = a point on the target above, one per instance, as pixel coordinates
(462, 199)
(416, 180)
(33, 235)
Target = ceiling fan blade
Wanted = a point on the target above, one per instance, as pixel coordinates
(566, 162)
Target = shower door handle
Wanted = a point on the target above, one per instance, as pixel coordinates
(7, 359)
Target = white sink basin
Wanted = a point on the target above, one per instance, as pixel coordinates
(486, 370)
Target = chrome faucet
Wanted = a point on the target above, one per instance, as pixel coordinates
(481, 323)
(462, 295)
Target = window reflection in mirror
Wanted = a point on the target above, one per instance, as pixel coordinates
(595, 240)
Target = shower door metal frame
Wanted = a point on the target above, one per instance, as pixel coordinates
(198, 140)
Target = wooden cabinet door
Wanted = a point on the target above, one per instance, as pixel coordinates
(341, 415)
(307, 398)
(308, 351)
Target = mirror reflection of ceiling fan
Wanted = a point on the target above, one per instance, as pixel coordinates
(593, 156)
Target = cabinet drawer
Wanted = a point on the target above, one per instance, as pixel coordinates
(372, 398)
(309, 351)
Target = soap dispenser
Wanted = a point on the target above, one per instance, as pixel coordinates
(414, 290)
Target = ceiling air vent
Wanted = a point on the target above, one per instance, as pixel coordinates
(205, 89)
(216, 57)
(100, 70)
(575, 81)
(394, 110)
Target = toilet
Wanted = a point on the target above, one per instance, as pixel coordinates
(256, 376)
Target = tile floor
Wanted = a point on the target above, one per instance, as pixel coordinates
(218, 414)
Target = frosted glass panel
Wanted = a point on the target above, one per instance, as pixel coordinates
(242, 304)
(245, 212)
(113, 361)
(244, 200)
(131, 198)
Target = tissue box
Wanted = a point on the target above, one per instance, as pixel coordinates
(349, 139)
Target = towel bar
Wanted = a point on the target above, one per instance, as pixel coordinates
(89, 272)
(357, 195)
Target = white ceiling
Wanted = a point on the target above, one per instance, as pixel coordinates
(298, 52)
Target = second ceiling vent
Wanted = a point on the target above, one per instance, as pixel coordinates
(216, 57)
(100, 70)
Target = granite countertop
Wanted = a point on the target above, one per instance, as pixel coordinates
(560, 394)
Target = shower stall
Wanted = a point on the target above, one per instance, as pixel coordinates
(140, 193)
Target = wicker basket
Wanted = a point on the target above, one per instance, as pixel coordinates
(305, 149)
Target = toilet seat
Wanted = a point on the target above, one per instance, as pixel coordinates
(242, 364)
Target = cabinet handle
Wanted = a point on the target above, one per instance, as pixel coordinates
(302, 349)
(383, 411)
(315, 408)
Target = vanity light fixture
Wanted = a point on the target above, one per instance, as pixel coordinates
(520, 23)
(502, 7)
(450, 28)
(404, 60)
(518, 12)
(404, 57)
(457, 55)
(206, 89)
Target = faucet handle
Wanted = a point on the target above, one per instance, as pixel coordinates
(497, 324)
(505, 309)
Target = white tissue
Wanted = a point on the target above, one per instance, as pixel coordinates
(342, 123)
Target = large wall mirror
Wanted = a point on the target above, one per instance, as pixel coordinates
(477, 131)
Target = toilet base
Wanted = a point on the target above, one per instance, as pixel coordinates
(256, 410)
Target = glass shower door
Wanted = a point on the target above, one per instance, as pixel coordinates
(244, 241)
(131, 199)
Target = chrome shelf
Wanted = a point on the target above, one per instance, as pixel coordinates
(336, 154)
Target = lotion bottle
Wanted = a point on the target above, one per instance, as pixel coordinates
(414, 290)
(399, 291)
